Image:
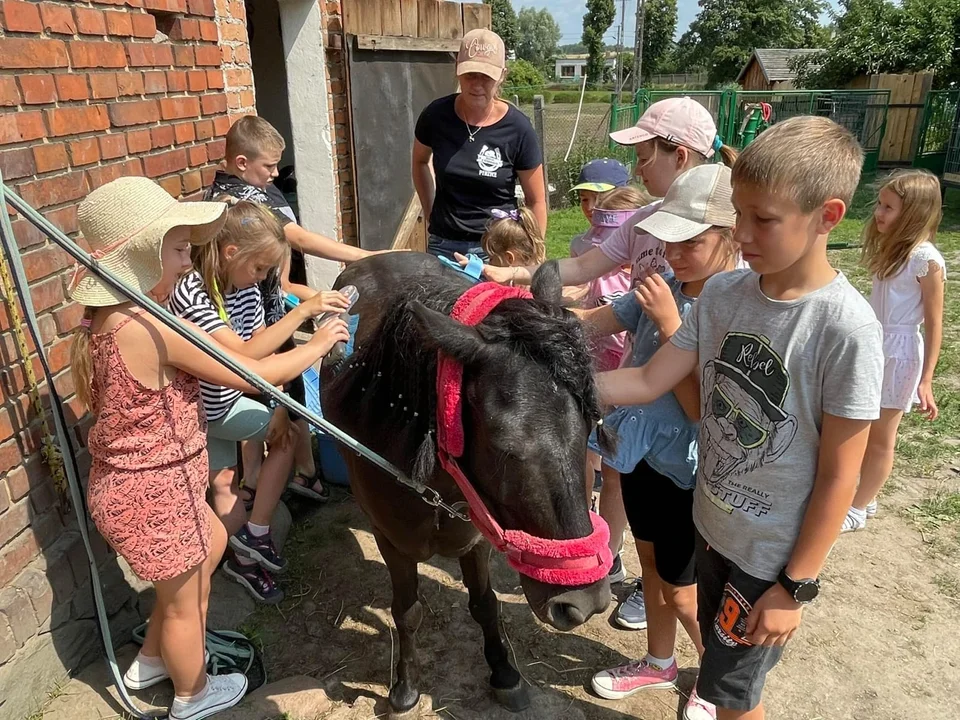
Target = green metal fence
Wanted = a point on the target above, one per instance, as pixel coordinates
(951, 165)
(939, 116)
(863, 112)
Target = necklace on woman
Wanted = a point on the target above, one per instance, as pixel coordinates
(472, 134)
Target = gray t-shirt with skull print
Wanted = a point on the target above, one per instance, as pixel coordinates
(769, 370)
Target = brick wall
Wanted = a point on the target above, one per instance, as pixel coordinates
(88, 92)
(332, 14)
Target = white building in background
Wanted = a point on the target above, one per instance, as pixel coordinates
(570, 68)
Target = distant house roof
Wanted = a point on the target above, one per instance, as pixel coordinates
(609, 55)
(776, 63)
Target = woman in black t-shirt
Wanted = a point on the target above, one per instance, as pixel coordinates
(481, 147)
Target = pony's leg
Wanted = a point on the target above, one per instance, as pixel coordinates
(407, 615)
(504, 678)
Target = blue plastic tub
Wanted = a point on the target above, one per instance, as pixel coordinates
(332, 466)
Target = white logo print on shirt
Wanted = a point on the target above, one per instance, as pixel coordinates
(489, 161)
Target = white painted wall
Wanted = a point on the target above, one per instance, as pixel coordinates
(310, 126)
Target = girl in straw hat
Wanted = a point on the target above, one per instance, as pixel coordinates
(149, 474)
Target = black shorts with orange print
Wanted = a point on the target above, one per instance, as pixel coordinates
(733, 671)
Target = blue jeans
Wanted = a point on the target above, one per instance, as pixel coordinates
(442, 247)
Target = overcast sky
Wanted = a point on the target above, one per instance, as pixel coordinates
(569, 14)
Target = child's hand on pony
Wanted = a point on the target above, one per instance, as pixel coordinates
(329, 333)
(331, 301)
(656, 298)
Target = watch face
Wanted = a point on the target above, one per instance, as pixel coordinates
(806, 591)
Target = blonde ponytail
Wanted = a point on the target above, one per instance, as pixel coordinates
(518, 233)
(81, 363)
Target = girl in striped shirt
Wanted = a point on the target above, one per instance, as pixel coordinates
(221, 297)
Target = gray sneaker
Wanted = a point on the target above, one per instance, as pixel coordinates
(223, 691)
(633, 613)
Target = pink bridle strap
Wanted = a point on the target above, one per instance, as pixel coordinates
(576, 561)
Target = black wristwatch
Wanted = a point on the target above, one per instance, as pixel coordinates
(802, 591)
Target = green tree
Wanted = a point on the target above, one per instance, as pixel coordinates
(538, 38)
(725, 32)
(522, 73)
(596, 22)
(504, 22)
(659, 25)
(877, 36)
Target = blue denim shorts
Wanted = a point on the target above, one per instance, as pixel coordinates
(442, 247)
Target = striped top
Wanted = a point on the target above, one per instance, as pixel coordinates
(244, 307)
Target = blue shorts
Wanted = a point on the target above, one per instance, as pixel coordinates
(246, 420)
(441, 247)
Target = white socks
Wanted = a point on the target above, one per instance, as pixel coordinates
(660, 663)
(258, 530)
(855, 520)
(194, 698)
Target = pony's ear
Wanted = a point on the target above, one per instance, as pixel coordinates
(546, 283)
(441, 332)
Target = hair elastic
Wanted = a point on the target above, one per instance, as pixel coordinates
(503, 214)
(717, 143)
(245, 221)
(86, 323)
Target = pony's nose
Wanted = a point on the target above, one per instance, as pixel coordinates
(564, 615)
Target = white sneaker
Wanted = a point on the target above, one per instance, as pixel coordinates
(140, 675)
(855, 520)
(222, 692)
(872, 509)
(699, 709)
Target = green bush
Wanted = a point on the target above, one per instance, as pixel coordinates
(523, 73)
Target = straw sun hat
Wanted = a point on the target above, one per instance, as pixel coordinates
(125, 222)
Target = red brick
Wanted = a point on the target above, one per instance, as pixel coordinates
(27, 236)
(14, 521)
(89, 21)
(204, 129)
(177, 108)
(112, 146)
(213, 104)
(176, 80)
(197, 80)
(20, 16)
(130, 83)
(72, 86)
(123, 114)
(9, 92)
(221, 125)
(19, 53)
(100, 176)
(84, 152)
(144, 25)
(68, 318)
(216, 149)
(38, 89)
(56, 190)
(92, 54)
(49, 157)
(184, 133)
(192, 182)
(119, 23)
(201, 7)
(207, 55)
(197, 155)
(57, 19)
(139, 141)
(65, 219)
(22, 126)
(185, 29)
(207, 174)
(103, 85)
(17, 555)
(73, 120)
(165, 163)
(149, 54)
(209, 31)
(169, 6)
(44, 262)
(49, 293)
(215, 79)
(183, 55)
(154, 81)
(171, 185)
(10, 456)
(19, 163)
(162, 136)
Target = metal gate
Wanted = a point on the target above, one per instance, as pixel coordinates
(939, 117)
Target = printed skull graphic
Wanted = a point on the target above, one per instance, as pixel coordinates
(744, 424)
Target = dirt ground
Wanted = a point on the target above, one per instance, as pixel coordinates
(881, 644)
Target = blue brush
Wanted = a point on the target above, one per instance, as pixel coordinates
(473, 269)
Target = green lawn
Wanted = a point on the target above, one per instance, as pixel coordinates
(922, 447)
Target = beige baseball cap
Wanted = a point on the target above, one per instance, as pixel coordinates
(482, 51)
(698, 200)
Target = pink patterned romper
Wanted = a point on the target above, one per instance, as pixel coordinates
(148, 481)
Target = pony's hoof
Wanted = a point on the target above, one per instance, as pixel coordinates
(411, 713)
(515, 699)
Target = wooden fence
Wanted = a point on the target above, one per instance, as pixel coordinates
(406, 24)
(907, 96)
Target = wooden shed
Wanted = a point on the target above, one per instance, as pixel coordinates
(771, 68)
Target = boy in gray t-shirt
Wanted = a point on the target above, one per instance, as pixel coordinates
(791, 362)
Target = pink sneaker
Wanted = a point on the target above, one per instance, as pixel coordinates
(622, 682)
(699, 709)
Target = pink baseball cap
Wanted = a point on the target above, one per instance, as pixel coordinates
(681, 121)
(482, 51)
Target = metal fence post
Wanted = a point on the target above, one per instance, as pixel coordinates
(516, 100)
(540, 126)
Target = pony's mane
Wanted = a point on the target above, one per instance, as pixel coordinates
(393, 375)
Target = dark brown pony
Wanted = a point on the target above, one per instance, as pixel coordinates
(529, 405)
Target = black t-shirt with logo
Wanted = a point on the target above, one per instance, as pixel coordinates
(474, 177)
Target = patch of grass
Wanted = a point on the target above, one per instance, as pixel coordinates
(948, 586)
(562, 227)
(943, 507)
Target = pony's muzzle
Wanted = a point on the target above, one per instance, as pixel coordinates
(573, 608)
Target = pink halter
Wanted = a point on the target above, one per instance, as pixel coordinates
(578, 561)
